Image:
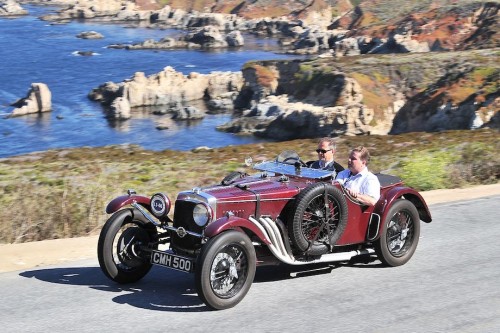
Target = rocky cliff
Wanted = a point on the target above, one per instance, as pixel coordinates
(370, 95)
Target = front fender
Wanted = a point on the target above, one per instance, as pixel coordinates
(233, 222)
(409, 194)
(124, 200)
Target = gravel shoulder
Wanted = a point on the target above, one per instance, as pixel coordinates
(24, 256)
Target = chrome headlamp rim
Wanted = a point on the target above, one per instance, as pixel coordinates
(202, 214)
(160, 205)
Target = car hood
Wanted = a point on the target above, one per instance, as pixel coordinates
(248, 189)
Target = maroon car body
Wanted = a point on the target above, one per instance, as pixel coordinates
(286, 212)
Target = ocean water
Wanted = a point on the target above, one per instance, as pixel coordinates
(32, 50)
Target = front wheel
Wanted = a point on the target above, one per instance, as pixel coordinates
(400, 233)
(225, 270)
(122, 244)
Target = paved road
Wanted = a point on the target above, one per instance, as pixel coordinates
(452, 284)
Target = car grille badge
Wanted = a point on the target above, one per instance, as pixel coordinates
(181, 232)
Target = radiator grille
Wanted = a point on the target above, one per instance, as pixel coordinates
(183, 217)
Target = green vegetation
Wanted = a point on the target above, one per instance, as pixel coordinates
(427, 171)
(63, 193)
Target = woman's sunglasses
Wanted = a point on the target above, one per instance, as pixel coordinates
(322, 151)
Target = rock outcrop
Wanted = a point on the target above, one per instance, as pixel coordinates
(324, 111)
(170, 91)
(39, 99)
(209, 37)
(90, 35)
(188, 113)
(370, 95)
(93, 9)
(119, 109)
(11, 8)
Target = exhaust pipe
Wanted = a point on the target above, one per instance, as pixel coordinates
(277, 247)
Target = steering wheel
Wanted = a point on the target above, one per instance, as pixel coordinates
(349, 196)
(302, 163)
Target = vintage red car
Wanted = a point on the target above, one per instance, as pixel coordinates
(286, 212)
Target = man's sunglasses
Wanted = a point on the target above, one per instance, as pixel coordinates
(322, 151)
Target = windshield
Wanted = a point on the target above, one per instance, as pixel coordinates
(288, 157)
(289, 163)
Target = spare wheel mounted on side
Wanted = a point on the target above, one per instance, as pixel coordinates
(318, 219)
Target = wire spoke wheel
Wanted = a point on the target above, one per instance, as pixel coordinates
(318, 218)
(399, 235)
(121, 246)
(225, 269)
(229, 270)
(127, 246)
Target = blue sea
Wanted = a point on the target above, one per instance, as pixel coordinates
(32, 50)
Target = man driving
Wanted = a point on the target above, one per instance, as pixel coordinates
(360, 183)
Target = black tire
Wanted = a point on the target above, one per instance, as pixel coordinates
(310, 220)
(119, 262)
(231, 256)
(399, 235)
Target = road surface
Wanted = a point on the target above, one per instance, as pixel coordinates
(452, 284)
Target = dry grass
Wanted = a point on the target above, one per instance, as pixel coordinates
(265, 77)
(63, 193)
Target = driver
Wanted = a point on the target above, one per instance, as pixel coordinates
(326, 151)
(358, 181)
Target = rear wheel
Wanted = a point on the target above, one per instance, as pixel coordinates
(121, 245)
(400, 234)
(225, 270)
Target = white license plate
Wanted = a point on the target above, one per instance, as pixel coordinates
(172, 261)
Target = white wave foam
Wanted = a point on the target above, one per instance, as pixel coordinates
(79, 53)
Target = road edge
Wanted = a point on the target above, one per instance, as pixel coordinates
(25, 256)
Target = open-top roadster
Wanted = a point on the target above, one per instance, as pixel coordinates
(285, 211)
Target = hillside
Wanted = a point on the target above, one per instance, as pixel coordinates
(442, 24)
(258, 8)
(370, 94)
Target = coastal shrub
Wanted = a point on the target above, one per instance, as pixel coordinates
(426, 170)
(490, 77)
(478, 163)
